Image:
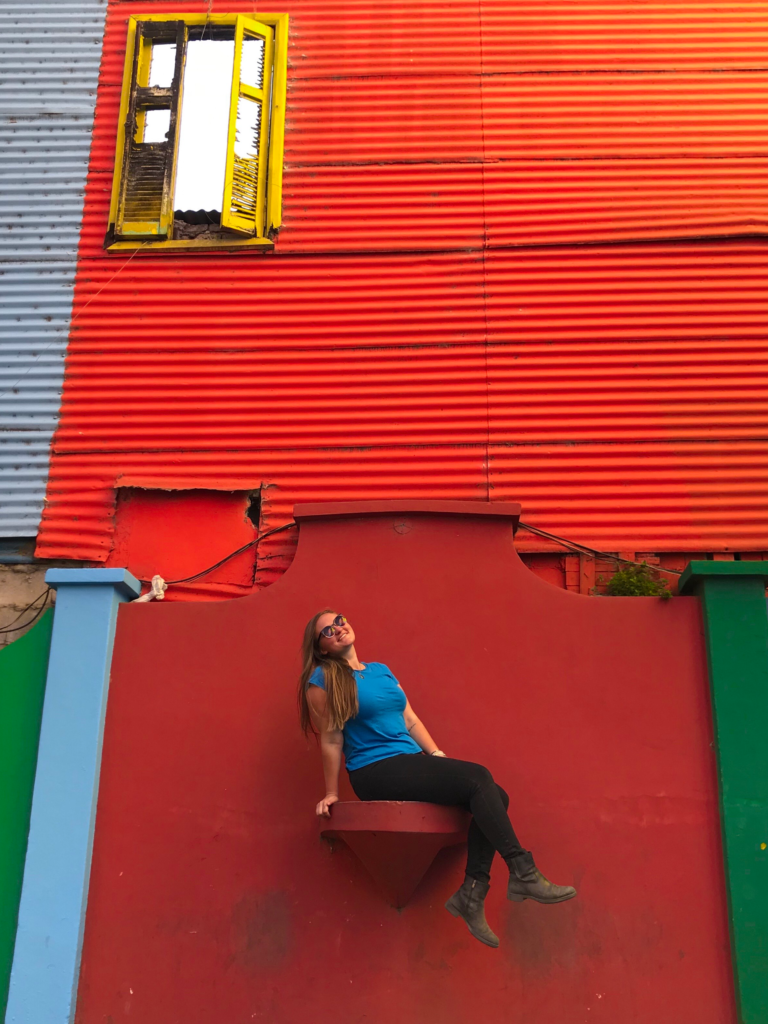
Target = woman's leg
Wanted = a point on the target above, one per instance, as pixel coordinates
(481, 851)
(445, 780)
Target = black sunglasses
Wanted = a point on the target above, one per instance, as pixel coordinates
(329, 631)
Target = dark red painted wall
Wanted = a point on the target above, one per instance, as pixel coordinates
(212, 899)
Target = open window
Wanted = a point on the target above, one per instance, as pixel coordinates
(200, 141)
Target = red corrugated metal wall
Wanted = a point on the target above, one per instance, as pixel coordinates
(520, 260)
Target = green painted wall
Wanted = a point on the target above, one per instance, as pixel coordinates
(736, 627)
(23, 668)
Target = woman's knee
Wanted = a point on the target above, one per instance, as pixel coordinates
(484, 781)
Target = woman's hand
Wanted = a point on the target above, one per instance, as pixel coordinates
(323, 809)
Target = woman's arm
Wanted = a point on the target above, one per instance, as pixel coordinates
(418, 731)
(331, 741)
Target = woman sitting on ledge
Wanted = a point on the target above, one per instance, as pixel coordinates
(362, 710)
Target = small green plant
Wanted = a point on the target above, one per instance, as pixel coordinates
(637, 581)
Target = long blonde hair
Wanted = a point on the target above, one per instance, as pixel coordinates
(340, 685)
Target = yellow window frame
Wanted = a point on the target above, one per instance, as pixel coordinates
(274, 171)
(136, 217)
(236, 215)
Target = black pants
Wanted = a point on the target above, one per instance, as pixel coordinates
(444, 780)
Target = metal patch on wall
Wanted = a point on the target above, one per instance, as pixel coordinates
(49, 65)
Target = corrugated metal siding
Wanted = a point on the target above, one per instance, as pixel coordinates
(335, 359)
(49, 60)
(667, 496)
(590, 344)
(618, 497)
(384, 207)
(627, 344)
(35, 305)
(608, 115)
(348, 38)
(405, 93)
(352, 38)
(619, 391)
(665, 35)
(600, 200)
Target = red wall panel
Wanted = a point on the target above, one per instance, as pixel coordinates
(169, 532)
(598, 200)
(680, 294)
(213, 899)
(346, 38)
(663, 495)
(615, 344)
(620, 115)
(384, 120)
(650, 35)
(335, 396)
(387, 207)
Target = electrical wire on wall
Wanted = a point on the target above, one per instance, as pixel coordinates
(251, 543)
(571, 545)
(582, 549)
(11, 627)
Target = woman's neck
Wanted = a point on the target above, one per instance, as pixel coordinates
(350, 655)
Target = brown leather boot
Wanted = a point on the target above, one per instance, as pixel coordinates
(526, 882)
(468, 902)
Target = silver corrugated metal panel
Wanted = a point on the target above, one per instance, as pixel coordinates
(42, 178)
(23, 471)
(35, 309)
(49, 57)
(49, 64)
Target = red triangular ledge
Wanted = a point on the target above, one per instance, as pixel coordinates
(396, 840)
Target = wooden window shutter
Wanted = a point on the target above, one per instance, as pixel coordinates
(243, 206)
(145, 204)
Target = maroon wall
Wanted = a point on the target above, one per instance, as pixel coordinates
(213, 901)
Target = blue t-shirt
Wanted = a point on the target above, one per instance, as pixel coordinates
(378, 730)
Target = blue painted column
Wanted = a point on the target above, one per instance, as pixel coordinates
(49, 939)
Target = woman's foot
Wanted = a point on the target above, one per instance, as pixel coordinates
(468, 902)
(526, 882)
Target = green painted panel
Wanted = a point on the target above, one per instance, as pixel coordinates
(736, 624)
(23, 669)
